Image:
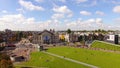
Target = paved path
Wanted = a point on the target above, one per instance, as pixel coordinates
(75, 61)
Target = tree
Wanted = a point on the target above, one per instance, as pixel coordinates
(69, 31)
(5, 61)
(99, 30)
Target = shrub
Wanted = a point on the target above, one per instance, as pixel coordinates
(5, 61)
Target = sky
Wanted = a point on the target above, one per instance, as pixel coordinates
(37, 15)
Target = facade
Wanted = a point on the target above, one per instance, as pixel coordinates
(45, 37)
(62, 38)
(113, 38)
(69, 37)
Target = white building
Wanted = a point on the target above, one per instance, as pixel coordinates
(111, 38)
(67, 38)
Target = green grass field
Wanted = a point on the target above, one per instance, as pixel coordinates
(39, 59)
(102, 45)
(97, 58)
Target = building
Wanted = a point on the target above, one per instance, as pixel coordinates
(110, 38)
(45, 37)
(113, 38)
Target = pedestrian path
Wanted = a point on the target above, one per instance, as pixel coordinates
(75, 61)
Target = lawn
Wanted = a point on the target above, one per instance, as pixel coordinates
(39, 59)
(104, 45)
(94, 57)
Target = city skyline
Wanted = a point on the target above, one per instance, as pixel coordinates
(37, 15)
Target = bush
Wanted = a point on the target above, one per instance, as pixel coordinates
(5, 61)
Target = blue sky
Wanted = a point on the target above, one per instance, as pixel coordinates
(59, 14)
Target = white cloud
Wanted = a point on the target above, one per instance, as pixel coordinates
(45, 24)
(30, 20)
(85, 13)
(50, 24)
(99, 20)
(81, 1)
(4, 11)
(57, 16)
(86, 3)
(17, 22)
(71, 24)
(116, 9)
(39, 1)
(20, 10)
(20, 22)
(29, 5)
(62, 9)
(16, 19)
(86, 24)
(100, 13)
(90, 21)
(70, 15)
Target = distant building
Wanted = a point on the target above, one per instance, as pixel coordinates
(62, 38)
(45, 37)
(8, 31)
(110, 37)
(69, 37)
(113, 38)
